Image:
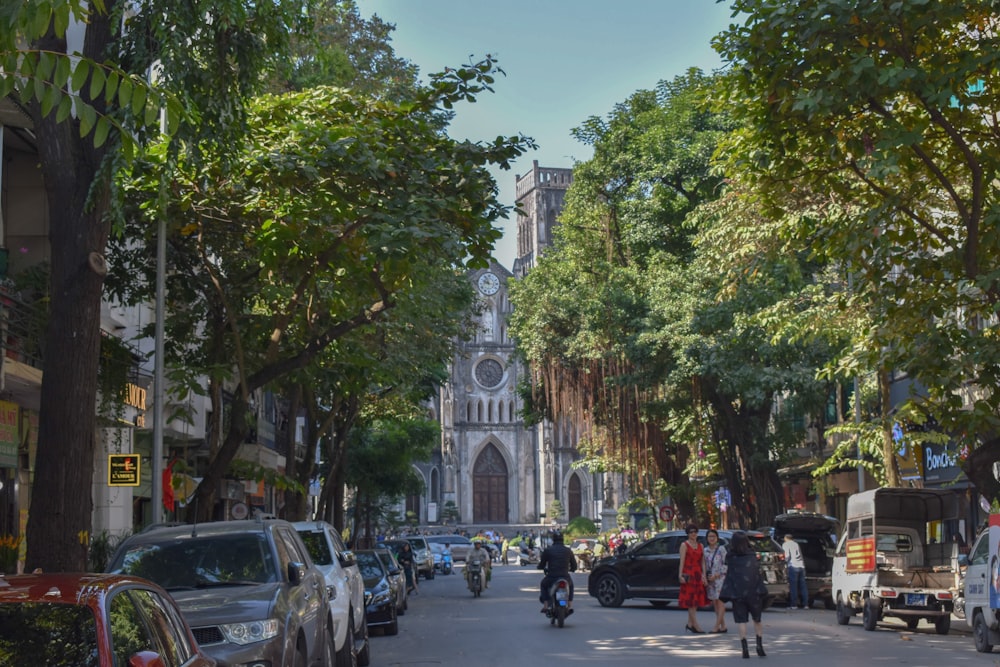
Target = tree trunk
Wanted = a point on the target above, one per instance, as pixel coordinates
(76, 190)
(219, 466)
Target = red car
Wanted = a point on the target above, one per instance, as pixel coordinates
(92, 620)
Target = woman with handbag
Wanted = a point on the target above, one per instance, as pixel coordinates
(744, 587)
(715, 574)
(692, 576)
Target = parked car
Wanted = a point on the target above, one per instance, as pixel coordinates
(345, 588)
(397, 578)
(92, 619)
(817, 536)
(649, 570)
(460, 545)
(423, 559)
(248, 589)
(379, 595)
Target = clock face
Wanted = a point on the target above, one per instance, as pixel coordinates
(489, 373)
(489, 283)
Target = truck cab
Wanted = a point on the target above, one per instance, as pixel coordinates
(888, 565)
(982, 598)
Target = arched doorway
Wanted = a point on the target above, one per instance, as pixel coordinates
(489, 487)
(574, 498)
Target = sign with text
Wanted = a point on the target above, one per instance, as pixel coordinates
(861, 554)
(10, 433)
(123, 470)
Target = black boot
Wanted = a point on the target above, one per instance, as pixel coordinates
(746, 651)
(760, 646)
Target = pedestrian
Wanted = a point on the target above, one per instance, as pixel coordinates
(798, 595)
(692, 576)
(715, 574)
(405, 558)
(745, 589)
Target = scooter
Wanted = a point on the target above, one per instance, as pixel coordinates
(446, 563)
(559, 607)
(475, 573)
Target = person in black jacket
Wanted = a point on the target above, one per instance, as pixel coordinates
(557, 561)
(747, 589)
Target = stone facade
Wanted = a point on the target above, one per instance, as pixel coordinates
(494, 468)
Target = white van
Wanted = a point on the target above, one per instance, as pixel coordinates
(886, 565)
(982, 598)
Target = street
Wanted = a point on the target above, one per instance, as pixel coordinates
(445, 626)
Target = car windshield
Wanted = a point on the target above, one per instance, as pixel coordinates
(221, 560)
(41, 633)
(319, 549)
(371, 568)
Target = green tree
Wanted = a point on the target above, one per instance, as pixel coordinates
(88, 114)
(889, 106)
(333, 210)
(381, 464)
(586, 317)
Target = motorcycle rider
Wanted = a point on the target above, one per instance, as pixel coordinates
(481, 556)
(557, 561)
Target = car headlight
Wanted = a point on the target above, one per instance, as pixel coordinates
(250, 632)
(381, 594)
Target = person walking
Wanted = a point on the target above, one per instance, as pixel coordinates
(692, 576)
(405, 558)
(798, 595)
(715, 574)
(745, 588)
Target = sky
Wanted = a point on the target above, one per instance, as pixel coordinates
(565, 61)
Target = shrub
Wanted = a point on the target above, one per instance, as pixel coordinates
(581, 526)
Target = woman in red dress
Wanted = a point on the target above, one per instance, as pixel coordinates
(692, 576)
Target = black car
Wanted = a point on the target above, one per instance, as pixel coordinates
(248, 589)
(649, 570)
(817, 536)
(380, 598)
(396, 578)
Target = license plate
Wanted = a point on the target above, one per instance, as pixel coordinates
(916, 600)
(770, 577)
(562, 595)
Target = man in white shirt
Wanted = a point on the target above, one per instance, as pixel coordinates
(798, 596)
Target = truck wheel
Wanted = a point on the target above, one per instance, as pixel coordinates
(843, 612)
(871, 613)
(981, 633)
(912, 623)
(942, 624)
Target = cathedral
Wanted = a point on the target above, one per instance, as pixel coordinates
(492, 469)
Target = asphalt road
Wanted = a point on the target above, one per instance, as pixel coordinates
(446, 626)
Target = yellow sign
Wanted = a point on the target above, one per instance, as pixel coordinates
(123, 470)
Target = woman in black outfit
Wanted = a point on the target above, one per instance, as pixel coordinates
(748, 589)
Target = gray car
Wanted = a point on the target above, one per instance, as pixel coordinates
(248, 589)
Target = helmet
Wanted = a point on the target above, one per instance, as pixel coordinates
(557, 537)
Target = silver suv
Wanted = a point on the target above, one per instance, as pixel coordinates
(346, 589)
(248, 589)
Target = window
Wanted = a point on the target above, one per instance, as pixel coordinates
(982, 552)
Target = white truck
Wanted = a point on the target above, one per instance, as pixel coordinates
(886, 565)
(982, 596)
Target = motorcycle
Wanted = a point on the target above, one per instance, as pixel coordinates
(446, 563)
(474, 571)
(529, 556)
(559, 607)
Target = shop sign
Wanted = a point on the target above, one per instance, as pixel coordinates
(123, 470)
(10, 433)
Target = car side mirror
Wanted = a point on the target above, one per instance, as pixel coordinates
(145, 659)
(296, 573)
(347, 558)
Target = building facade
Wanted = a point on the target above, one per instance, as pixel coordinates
(493, 469)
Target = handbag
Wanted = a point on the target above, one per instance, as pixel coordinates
(726, 593)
